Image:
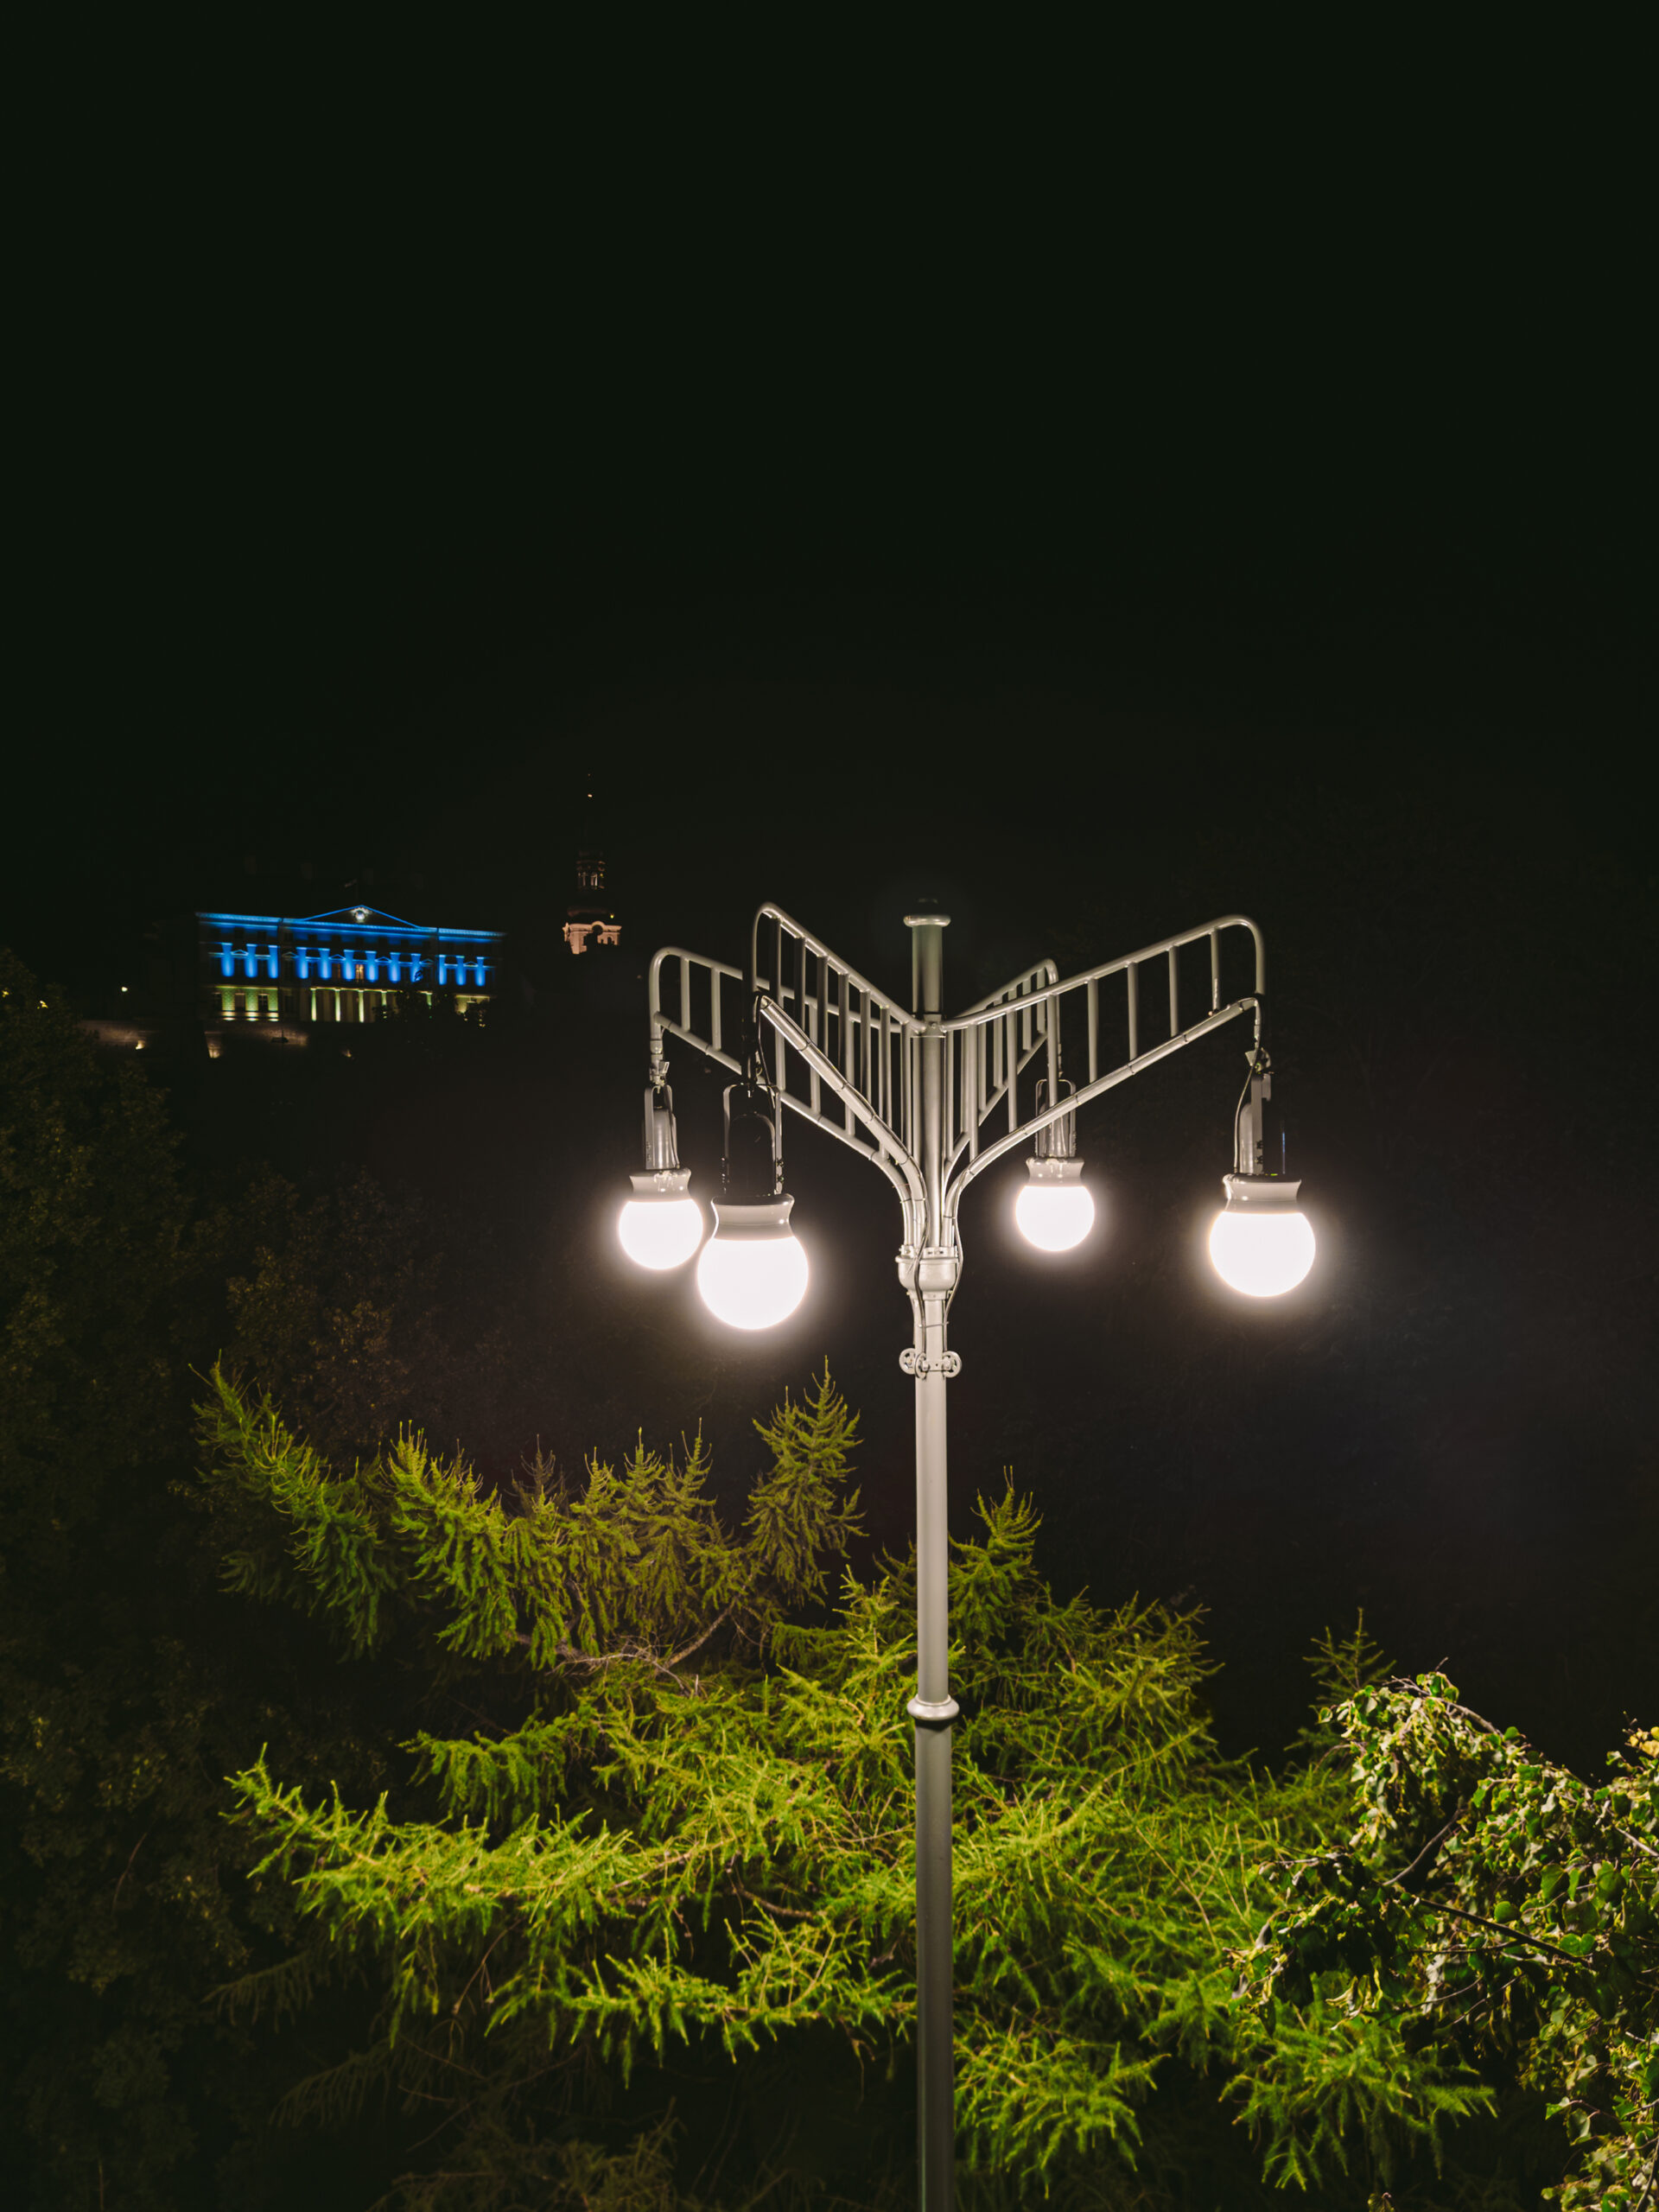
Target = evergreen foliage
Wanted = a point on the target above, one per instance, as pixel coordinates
(106, 1852)
(1489, 1904)
(129, 1683)
(343, 1306)
(664, 1890)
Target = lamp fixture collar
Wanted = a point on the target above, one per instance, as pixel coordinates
(1055, 1171)
(767, 1222)
(1261, 1193)
(662, 1183)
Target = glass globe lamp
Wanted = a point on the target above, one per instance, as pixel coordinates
(1261, 1242)
(752, 1272)
(661, 1226)
(1054, 1212)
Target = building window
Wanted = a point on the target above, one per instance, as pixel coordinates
(227, 1005)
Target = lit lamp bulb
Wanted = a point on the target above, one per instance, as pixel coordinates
(1054, 1210)
(752, 1272)
(1261, 1242)
(661, 1226)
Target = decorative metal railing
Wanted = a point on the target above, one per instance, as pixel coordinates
(993, 1043)
(844, 1055)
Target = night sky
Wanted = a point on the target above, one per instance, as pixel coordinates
(1287, 550)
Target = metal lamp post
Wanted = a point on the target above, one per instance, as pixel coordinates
(913, 1092)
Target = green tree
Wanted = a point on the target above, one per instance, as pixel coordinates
(1489, 1904)
(131, 1684)
(345, 1312)
(109, 1877)
(659, 1892)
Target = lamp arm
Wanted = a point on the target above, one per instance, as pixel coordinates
(767, 981)
(889, 1152)
(1019, 986)
(663, 1025)
(989, 1153)
(989, 1010)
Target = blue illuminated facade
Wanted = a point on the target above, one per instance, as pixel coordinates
(286, 973)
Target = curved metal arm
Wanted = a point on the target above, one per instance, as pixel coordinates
(787, 923)
(662, 1023)
(888, 1153)
(988, 1153)
(1018, 986)
(987, 1011)
(990, 1046)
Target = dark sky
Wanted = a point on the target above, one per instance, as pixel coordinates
(1099, 531)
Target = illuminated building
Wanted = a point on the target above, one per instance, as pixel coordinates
(285, 976)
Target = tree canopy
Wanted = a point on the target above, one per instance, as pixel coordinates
(1488, 1902)
(675, 1854)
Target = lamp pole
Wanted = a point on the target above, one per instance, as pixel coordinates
(930, 1276)
(912, 1091)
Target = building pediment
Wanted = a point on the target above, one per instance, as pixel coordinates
(362, 918)
(370, 921)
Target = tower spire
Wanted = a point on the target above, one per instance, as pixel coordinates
(589, 918)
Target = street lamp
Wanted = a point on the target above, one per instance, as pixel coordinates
(913, 1092)
(661, 1226)
(752, 1272)
(1054, 1212)
(1261, 1242)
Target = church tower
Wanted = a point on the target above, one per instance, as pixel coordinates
(590, 921)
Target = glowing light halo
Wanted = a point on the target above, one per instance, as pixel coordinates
(752, 1272)
(661, 1226)
(660, 1233)
(1260, 1243)
(1054, 1212)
